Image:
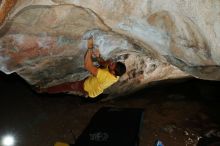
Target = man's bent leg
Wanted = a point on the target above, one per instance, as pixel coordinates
(65, 87)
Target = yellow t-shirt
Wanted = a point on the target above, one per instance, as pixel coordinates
(95, 85)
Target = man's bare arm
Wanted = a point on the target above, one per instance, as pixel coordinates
(88, 64)
(101, 61)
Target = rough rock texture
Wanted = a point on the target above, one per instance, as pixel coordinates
(6, 6)
(42, 40)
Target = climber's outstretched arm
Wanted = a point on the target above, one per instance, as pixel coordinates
(88, 64)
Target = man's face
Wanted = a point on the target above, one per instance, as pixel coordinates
(111, 67)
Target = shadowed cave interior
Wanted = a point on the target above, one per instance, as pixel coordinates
(42, 42)
(178, 112)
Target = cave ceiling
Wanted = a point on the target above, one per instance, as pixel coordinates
(41, 40)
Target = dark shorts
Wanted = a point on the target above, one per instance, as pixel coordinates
(79, 86)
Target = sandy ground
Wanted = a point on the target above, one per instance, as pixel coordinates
(178, 114)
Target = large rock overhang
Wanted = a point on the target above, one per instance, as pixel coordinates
(42, 41)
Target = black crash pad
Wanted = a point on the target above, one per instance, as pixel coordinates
(112, 127)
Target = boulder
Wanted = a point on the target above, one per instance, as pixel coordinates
(42, 41)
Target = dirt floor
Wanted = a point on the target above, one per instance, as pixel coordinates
(176, 113)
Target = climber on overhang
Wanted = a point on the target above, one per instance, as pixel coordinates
(101, 77)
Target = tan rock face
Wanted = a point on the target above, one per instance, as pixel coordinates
(5, 8)
(42, 40)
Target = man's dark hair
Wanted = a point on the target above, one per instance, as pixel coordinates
(120, 69)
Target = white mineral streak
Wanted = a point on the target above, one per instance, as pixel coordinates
(130, 17)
